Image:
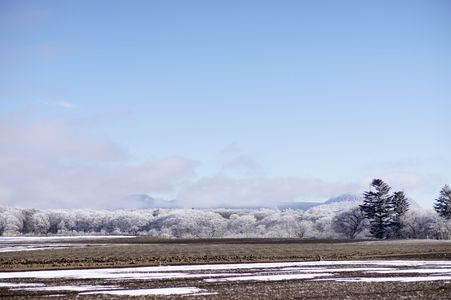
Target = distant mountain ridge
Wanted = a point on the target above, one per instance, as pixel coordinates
(345, 198)
(145, 201)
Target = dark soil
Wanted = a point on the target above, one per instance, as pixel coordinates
(147, 251)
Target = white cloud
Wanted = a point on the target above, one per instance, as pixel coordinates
(242, 163)
(48, 163)
(52, 163)
(54, 138)
(408, 180)
(237, 163)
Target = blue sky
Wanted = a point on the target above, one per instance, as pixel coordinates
(215, 102)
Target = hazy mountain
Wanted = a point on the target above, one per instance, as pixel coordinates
(345, 197)
(298, 205)
(145, 201)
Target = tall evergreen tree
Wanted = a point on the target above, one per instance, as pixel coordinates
(400, 206)
(443, 203)
(377, 207)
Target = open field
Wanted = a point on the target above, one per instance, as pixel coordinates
(147, 251)
(227, 269)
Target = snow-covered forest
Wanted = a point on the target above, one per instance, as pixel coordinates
(341, 218)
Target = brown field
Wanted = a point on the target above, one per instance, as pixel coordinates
(146, 252)
(274, 290)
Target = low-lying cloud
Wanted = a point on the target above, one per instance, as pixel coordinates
(49, 164)
(222, 190)
(46, 163)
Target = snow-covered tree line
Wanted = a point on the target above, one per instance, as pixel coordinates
(341, 219)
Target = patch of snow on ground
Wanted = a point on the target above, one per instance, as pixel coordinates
(28, 239)
(210, 273)
(319, 270)
(34, 247)
(76, 288)
(391, 279)
(425, 271)
(105, 274)
(150, 292)
(270, 277)
(33, 243)
(15, 285)
(163, 272)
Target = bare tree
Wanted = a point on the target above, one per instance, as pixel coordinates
(349, 223)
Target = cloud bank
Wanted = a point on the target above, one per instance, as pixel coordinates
(222, 190)
(50, 164)
(47, 163)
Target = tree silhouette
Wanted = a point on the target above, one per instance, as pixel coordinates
(443, 203)
(378, 208)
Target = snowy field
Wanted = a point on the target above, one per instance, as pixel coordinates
(204, 278)
(92, 267)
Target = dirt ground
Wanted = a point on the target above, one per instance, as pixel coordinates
(298, 289)
(147, 251)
